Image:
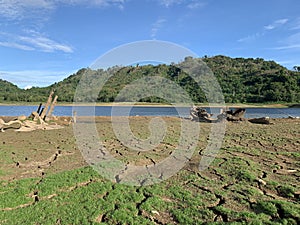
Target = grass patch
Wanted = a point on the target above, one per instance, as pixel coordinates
(69, 192)
(286, 190)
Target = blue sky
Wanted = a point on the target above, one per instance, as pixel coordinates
(44, 41)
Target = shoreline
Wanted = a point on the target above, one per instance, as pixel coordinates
(230, 105)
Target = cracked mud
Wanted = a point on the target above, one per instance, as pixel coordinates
(255, 178)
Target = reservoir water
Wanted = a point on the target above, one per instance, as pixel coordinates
(14, 110)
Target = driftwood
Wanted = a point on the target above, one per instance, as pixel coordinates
(36, 121)
(237, 115)
(201, 115)
(15, 124)
(262, 120)
(49, 114)
(31, 126)
(44, 112)
(27, 125)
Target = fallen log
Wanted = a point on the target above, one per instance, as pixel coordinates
(32, 125)
(262, 120)
(234, 119)
(201, 115)
(14, 124)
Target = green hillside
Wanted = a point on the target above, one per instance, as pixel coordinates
(7, 90)
(242, 81)
(255, 80)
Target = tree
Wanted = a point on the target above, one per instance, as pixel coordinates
(296, 68)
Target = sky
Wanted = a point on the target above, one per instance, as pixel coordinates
(45, 41)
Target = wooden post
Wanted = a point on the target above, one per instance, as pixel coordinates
(52, 107)
(39, 108)
(74, 116)
(43, 114)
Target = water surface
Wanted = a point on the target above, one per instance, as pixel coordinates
(13, 110)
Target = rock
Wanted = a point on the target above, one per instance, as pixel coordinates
(155, 212)
(261, 181)
(285, 172)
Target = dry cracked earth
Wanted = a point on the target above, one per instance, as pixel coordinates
(255, 178)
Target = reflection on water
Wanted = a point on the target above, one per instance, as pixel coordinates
(144, 111)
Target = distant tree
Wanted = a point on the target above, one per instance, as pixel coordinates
(296, 68)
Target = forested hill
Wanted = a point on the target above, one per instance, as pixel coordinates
(242, 81)
(255, 80)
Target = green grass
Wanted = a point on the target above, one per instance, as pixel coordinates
(5, 155)
(81, 196)
(227, 192)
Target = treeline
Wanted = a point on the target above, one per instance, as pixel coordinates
(241, 80)
(255, 80)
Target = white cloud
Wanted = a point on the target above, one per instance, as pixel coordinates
(288, 62)
(28, 87)
(45, 44)
(294, 38)
(34, 78)
(168, 3)
(190, 4)
(296, 24)
(156, 27)
(266, 29)
(290, 43)
(285, 62)
(20, 9)
(287, 47)
(16, 45)
(33, 41)
(101, 3)
(250, 38)
(196, 5)
(276, 24)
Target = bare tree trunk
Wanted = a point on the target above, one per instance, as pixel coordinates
(42, 110)
(52, 107)
(43, 114)
(39, 108)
